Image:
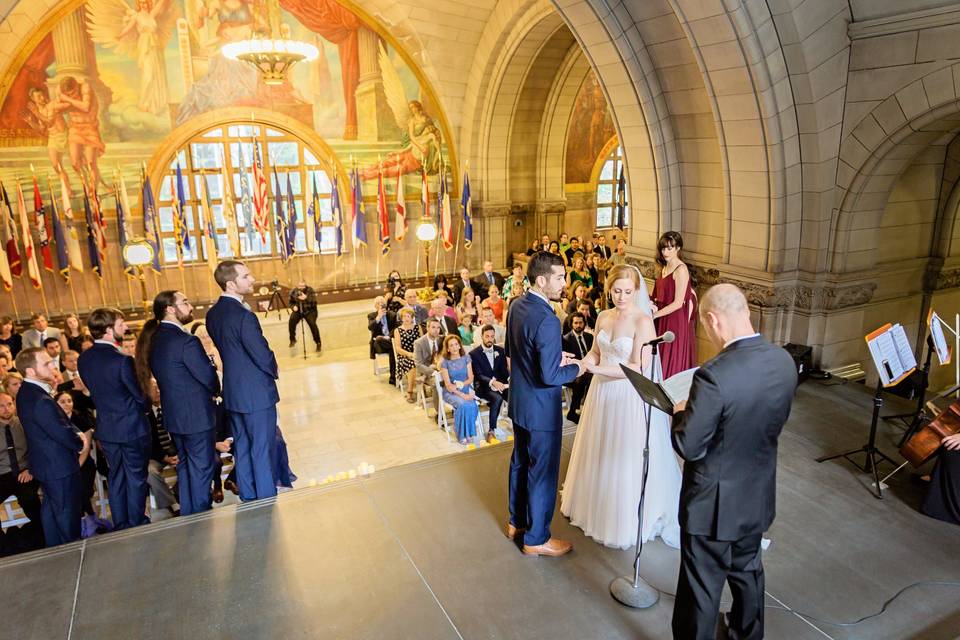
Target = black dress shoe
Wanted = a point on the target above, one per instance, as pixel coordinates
(574, 418)
(293, 343)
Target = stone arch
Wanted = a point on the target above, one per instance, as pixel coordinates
(923, 112)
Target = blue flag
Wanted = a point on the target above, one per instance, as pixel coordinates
(313, 212)
(291, 237)
(337, 211)
(122, 232)
(621, 201)
(359, 220)
(91, 236)
(151, 223)
(467, 205)
(63, 262)
(279, 220)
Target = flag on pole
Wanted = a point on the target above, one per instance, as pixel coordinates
(382, 217)
(11, 248)
(291, 237)
(209, 227)
(92, 245)
(29, 256)
(151, 223)
(261, 212)
(279, 219)
(123, 224)
(40, 215)
(180, 234)
(74, 255)
(424, 194)
(400, 231)
(100, 225)
(359, 222)
(246, 202)
(621, 200)
(63, 261)
(467, 205)
(446, 217)
(6, 276)
(230, 211)
(313, 218)
(337, 212)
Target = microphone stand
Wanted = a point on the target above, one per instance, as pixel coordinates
(638, 593)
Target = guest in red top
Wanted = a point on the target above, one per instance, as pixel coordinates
(494, 302)
(675, 306)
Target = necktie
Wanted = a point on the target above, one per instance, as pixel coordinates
(583, 347)
(166, 440)
(43, 336)
(11, 451)
(490, 278)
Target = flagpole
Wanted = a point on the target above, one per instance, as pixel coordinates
(456, 248)
(103, 291)
(53, 211)
(13, 299)
(116, 191)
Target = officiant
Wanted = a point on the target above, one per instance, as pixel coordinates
(727, 433)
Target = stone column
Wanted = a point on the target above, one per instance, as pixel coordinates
(375, 121)
(71, 48)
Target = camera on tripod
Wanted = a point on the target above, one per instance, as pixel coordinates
(275, 286)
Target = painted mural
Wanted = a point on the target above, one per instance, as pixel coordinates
(116, 76)
(591, 127)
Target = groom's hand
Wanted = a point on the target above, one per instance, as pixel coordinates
(680, 406)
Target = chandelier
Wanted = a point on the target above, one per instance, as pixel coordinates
(272, 56)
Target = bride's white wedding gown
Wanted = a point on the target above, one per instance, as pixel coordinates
(601, 491)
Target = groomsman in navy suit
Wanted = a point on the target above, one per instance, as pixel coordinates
(55, 447)
(122, 426)
(188, 382)
(538, 370)
(492, 372)
(249, 381)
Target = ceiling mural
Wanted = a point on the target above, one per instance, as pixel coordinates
(591, 127)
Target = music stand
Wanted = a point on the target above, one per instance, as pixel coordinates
(919, 415)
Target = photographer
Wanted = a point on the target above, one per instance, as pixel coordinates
(381, 322)
(303, 305)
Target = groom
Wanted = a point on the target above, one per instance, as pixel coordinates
(539, 369)
(727, 434)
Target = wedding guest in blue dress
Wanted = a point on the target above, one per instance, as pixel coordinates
(457, 373)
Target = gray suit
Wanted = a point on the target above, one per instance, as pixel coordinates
(32, 340)
(423, 354)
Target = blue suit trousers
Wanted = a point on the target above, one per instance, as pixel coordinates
(127, 481)
(198, 457)
(534, 472)
(60, 510)
(254, 445)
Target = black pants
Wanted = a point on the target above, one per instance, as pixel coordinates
(311, 319)
(383, 344)
(580, 386)
(29, 500)
(705, 564)
(496, 400)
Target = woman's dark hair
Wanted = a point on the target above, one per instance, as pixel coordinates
(550, 248)
(669, 239)
(163, 300)
(391, 278)
(437, 279)
(541, 264)
(56, 396)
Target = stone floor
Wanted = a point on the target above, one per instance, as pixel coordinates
(416, 551)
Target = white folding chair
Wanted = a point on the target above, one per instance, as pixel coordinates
(378, 368)
(442, 420)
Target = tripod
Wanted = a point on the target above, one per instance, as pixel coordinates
(638, 593)
(919, 415)
(870, 448)
(276, 302)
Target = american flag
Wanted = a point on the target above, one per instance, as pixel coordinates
(44, 234)
(261, 215)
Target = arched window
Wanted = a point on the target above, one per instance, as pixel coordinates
(606, 215)
(284, 156)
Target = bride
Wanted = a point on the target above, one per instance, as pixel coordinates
(601, 492)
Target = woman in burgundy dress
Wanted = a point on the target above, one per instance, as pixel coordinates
(675, 306)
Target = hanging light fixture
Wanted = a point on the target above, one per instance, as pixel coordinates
(272, 56)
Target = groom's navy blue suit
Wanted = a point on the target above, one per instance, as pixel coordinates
(533, 344)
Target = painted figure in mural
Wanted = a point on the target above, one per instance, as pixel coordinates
(83, 126)
(142, 34)
(46, 116)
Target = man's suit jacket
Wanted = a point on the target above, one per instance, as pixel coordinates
(458, 288)
(112, 380)
(423, 355)
(481, 284)
(482, 371)
(250, 370)
(728, 434)
(187, 380)
(448, 326)
(52, 440)
(570, 344)
(158, 450)
(536, 377)
(375, 326)
(31, 337)
(603, 250)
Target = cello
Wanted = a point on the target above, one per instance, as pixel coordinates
(926, 441)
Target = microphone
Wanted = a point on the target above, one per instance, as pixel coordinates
(667, 336)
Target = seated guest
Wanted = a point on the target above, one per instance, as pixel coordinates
(9, 337)
(163, 454)
(440, 284)
(5, 351)
(420, 312)
(56, 448)
(578, 273)
(487, 279)
(11, 383)
(517, 284)
(492, 371)
(439, 310)
(573, 249)
(590, 261)
(90, 524)
(381, 324)
(86, 342)
(620, 255)
(534, 247)
(425, 351)
(448, 309)
(128, 346)
(395, 285)
(554, 248)
(457, 375)
(578, 292)
(463, 284)
(4, 365)
(564, 242)
(303, 306)
(487, 319)
(545, 242)
(467, 304)
(495, 302)
(943, 498)
(72, 331)
(404, 338)
(34, 336)
(15, 477)
(578, 342)
(72, 383)
(52, 347)
(466, 329)
(601, 248)
(587, 310)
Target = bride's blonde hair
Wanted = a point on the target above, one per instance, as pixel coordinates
(623, 272)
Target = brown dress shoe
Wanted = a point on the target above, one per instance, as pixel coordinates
(552, 548)
(512, 531)
(217, 495)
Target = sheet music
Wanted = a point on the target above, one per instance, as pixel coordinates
(904, 350)
(939, 340)
(891, 353)
(677, 386)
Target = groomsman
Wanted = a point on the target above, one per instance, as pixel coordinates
(578, 342)
(492, 371)
(188, 382)
(249, 381)
(55, 445)
(122, 427)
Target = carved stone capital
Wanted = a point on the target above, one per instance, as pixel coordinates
(947, 279)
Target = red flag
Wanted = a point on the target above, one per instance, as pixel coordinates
(401, 229)
(382, 214)
(10, 233)
(44, 232)
(28, 255)
(261, 215)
